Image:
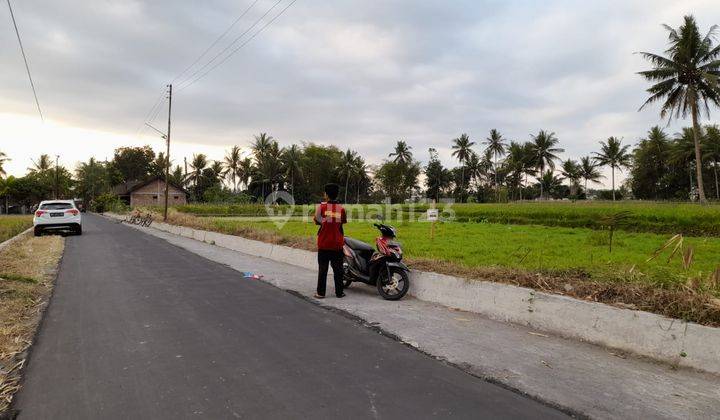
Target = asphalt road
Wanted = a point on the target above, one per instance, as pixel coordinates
(139, 328)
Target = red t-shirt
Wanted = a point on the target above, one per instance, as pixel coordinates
(330, 216)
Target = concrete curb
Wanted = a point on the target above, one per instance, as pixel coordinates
(14, 238)
(669, 340)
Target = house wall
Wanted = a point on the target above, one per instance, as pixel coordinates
(153, 194)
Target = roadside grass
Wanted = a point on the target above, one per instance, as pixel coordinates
(688, 219)
(11, 225)
(570, 261)
(27, 271)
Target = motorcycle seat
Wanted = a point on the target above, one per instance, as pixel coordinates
(356, 245)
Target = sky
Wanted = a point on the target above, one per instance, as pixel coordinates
(356, 74)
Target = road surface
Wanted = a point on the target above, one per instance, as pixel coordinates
(139, 328)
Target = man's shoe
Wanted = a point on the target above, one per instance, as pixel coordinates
(317, 296)
(341, 295)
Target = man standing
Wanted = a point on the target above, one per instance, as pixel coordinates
(330, 216)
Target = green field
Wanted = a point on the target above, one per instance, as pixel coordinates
(666, 218)
(12, 225)
(527, 247)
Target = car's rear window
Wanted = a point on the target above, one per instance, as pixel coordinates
(56, 206)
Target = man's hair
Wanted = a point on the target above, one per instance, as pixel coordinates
(332, 190)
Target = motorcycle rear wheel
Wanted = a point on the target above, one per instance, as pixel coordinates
(396, 286)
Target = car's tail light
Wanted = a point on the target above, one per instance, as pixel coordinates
(74, 212)
(39, 213)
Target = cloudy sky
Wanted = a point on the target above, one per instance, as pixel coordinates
(358, 74)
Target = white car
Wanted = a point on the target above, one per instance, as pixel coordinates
(57, 215)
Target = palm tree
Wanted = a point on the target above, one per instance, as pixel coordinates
(572, 171)
(291, 163)
(232, 165)
(217, 170)
(712, 145)
(261, 145)
(495, 145)
(360, 170)
(347, 168)
(549, 181)
(462, 147)
(544, 153)
(615, 155)
(682, 151)
(3, 160)
(686, 80)
(44, 163)
(589, 171)
(245, 172)
(198, 164)
(402, 152)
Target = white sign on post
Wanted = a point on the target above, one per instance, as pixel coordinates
(432, 215)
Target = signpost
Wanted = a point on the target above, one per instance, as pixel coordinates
(432, 217)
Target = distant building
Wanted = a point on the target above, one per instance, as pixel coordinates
(150, 193)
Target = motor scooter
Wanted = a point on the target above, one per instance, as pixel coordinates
(382, 268)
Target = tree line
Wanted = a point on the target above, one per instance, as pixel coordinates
(685, 80)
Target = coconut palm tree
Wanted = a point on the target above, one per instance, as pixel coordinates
(544, 152)
(261, 144)
(232, 165)
(686, 80)
(245, 172)
(347, 168)
(572, 172)
(291, 163)
(198, 164)
(402, 153)
(44, 163)
(549, 181)
(462, 150)
(217, 170)
(360, 171)
(712, 154)
(682, 151)
(615, 155)
(3, 160)
(495, 144)
(589, 171)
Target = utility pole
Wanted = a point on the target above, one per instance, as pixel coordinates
(167, 154)
(57, 178)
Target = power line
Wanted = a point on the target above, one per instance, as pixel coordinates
(27, 67)
(216, 41)
(150, 112)
(239, 47)
(196, 72)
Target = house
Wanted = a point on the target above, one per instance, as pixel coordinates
(150, 193)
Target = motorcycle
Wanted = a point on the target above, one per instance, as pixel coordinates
(382, 268)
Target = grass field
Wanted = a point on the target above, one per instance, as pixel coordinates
(670, 218)
(558, 247)
(533, 248)
(12, 225)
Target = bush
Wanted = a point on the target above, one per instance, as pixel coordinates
(109, 202)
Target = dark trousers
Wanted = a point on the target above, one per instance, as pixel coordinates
(335, 259)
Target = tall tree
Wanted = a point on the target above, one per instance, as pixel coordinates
(437, 177)
(712, 154)
(572, 172)
(245, 173)
(198, 164)
(43, 164)
(589, 171)
(347, 168)
(651, 165)
(291, 160)
(131, 164)
(402, 153)
(686, 80)
(92, 180)
(231, 162)
(462, 149)
(3, 160)
(613, 154)
(495, 144)
(544, 152)
(262, 144)
(360, 171)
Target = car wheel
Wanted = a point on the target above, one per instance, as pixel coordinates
(78, 230)
(37, 231)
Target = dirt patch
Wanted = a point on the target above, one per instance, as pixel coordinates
(692, 301)
(27, 272)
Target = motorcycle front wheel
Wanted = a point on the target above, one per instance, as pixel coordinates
(395, 287)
